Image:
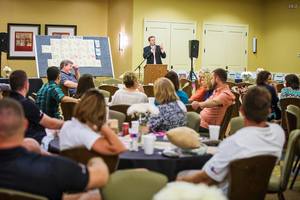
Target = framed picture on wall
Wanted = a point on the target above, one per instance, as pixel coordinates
(60, 30)
(21, 40)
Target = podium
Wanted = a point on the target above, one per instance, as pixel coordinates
(153, 72)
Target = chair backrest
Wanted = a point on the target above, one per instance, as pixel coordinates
(236, 109)
(9, 194)
(193, 120)
(225, 122)
(243, 84)
(123, 109)
(183, 82)
(189, 108)
(112, 81)
(105, 93)
(249, 178)
(283, 105)
(294, 140)
(83, 155)
(133, 185)
(121, 117)
(293, 118)
(67, 109)
(236, 124)
(110, 88)
(149, 91)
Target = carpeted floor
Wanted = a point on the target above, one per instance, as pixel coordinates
(293, 194)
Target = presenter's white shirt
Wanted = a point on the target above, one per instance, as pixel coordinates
(122, 96)
(245, 143)
(76, 134)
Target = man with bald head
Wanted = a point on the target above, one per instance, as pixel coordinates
(48, 176)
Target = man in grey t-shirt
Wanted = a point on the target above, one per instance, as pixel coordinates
(68, 79)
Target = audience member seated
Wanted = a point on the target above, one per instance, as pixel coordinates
(172, 112)
(205, 88)
(291, 89)
(37, 120)
(131, 94)
(264, 79)
(87, 127)
(48, 176)
(173, 77)
(50, 95)
(85, 83)
(258, 137)
(214, 108)
(68, 79)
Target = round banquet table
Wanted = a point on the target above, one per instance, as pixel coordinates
(159, 163)
(156, 162)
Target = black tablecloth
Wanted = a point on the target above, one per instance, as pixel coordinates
(156, 162)
(34, 84)
(168, 166)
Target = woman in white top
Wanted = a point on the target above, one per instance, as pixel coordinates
(87, 127)
(131, 94)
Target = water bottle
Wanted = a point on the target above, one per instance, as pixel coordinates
(134, 142)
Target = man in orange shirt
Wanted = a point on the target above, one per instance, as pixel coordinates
(214, 108)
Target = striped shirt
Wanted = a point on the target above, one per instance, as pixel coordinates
(289, 92)
(48, 99)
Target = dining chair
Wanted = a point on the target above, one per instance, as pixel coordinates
(105, 93)
(193, 120)
(83, 155)
(188, 89)
(123, 109)
(236, 124)
(112, 81)
(248, 180)
(67, 110)
(279, 87)
(283, 105)
(231, 84)
(293, 122)
(133, 185)
(110, 88)
(121, 117)
(189, 108)
(278, 184)
(236, 109)
(149, 91)
(9, 194)
(225, 122)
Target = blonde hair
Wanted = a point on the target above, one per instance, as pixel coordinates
(207, 79)
(91, 108)
(129, 79)
(164, 91)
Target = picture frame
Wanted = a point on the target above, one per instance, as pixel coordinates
(21, 38)
(60, 30)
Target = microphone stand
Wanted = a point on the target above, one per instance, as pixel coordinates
(139, 66)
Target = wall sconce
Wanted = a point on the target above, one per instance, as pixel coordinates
(123, 41)
(254, 45)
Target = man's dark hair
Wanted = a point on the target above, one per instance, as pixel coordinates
(149, 38)
(17, 80)
(256, 104)
(262, 77)
(173, 77)
(221, 73)
(292, 81)
(52, 73)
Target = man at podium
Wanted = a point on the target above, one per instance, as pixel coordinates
(153, 53)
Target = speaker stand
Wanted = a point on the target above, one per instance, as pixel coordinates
(192, 73)
(0, 64)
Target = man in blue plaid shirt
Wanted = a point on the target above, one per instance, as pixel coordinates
(51, 95)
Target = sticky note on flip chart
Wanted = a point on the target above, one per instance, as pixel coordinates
(46, 49)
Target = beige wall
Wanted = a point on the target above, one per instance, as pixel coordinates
(281, 42)
(120, 20)
(90, 16)
(201, 11)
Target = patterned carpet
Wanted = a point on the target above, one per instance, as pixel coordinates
(293, 194)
